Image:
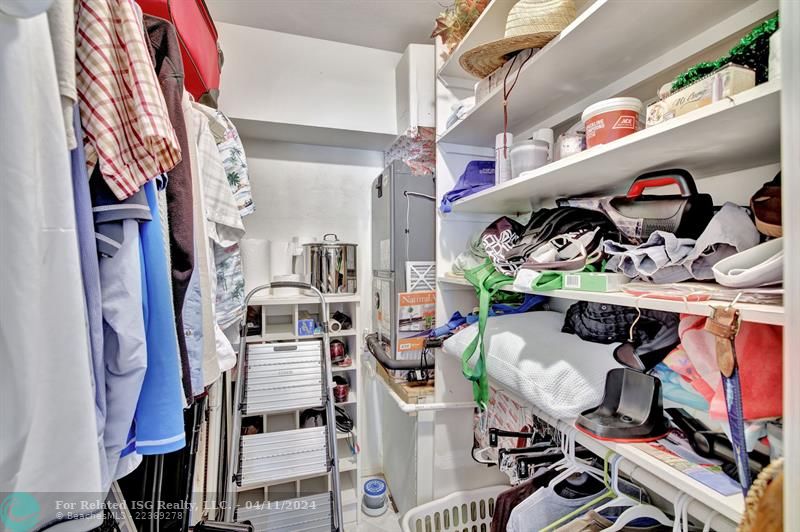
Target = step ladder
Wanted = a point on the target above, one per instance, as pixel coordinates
(282, 377)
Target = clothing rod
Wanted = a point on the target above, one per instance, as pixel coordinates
(697, 509)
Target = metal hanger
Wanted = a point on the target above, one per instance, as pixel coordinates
(479, 456)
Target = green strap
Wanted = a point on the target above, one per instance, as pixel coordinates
(487, 281)
(553, 280)
(548, 281)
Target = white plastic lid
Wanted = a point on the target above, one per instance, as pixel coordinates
(529, 143)
(613, 104)
(498, 140)
(375, 487)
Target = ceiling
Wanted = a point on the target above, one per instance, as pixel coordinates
(383, 24)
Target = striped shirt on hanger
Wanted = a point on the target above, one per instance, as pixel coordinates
(126, 125)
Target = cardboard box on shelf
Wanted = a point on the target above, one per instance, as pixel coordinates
(727, 81)
(416, 311)
(595, 281)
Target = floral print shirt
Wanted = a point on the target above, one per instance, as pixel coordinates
(228, 260)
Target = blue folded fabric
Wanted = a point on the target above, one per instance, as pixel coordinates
(498, 309)
(477, 176)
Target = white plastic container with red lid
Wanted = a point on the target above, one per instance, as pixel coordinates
(611, 119)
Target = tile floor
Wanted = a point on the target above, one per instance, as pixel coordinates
(388, 522)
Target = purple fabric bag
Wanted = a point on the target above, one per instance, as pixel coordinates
(477, 176)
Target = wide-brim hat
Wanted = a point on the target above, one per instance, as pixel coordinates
(530, 24)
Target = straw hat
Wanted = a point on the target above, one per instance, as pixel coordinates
(530, 24)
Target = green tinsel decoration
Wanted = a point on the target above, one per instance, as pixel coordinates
(751, 51)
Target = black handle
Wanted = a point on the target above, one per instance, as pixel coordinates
(495, 432)
(675, 176)
(535, 448)
(290, 284)
(524, 463)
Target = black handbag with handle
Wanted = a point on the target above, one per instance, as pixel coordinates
(638, 215)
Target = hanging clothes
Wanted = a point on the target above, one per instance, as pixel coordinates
(225, 226)
(551, 504)
(61, 19)
(90, 273)
(546, 506)
(230, 275)
(594, 521)
(125, 341)
(162, 42)
(158, 423)
(223, 221)
(216, 221)
(512, 497)
(230, 285)
(231, 151)
(48, 430)
(128, 132)
(198, 320)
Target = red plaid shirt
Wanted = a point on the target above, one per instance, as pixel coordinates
(125, 121)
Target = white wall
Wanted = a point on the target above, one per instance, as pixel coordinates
(283, 81)
(279, 77)
(306, 191)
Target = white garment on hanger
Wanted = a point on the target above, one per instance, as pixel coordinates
(24, 8)
(48, 430)
(224, 223)
(210, 361)
(218, 353)
(61, 18)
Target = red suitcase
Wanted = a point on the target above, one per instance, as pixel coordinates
(198, 37)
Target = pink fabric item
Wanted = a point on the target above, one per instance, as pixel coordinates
(679, 362)
(759, 352)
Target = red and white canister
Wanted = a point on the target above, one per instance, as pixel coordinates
(611, 119)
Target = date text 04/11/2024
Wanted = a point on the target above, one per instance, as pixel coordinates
(281, 505)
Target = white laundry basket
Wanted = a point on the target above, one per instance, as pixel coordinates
(461, 511)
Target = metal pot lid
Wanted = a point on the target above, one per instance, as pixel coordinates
(329, 243)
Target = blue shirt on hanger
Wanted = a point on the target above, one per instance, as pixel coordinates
(158, 424)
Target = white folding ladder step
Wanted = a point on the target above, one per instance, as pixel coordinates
(282, 377)
(278, 377)
(303, 514)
